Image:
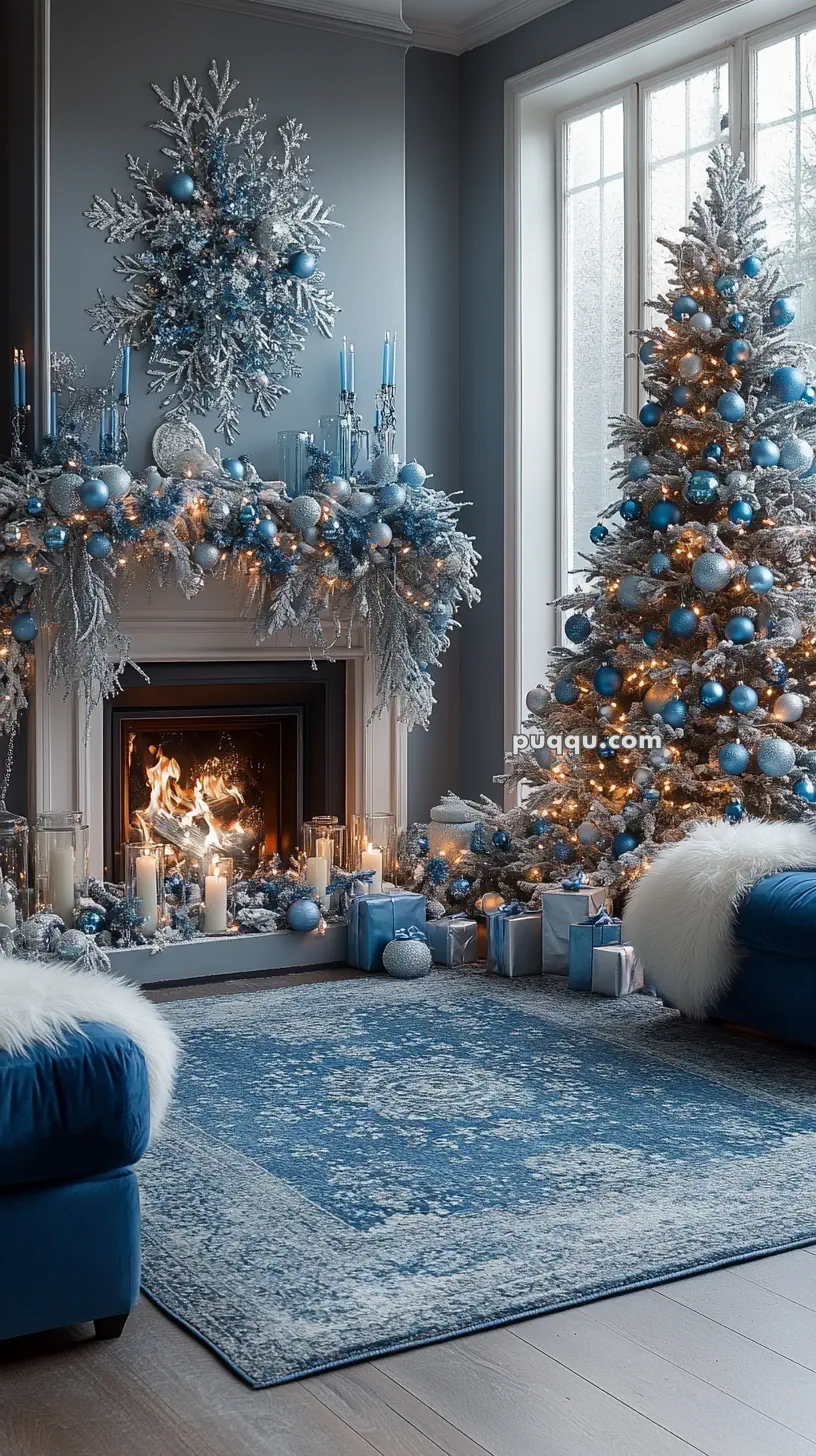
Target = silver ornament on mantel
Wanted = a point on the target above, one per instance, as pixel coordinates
(41, 932)
(303, 512)
(538, 699)
(171, 438)
(63, 494)
(117, 479)
(218, 512)
(195, 464)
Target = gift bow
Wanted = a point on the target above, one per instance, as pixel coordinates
(412, 933)
(516, 907)
(603, 918)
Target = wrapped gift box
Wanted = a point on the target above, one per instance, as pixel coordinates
(373, 921)
(514, 941)
(559, 910)
(453, 940)
(584, 938)
(616, 971)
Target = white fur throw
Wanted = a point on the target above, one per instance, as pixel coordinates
(40, 1000)
(680, 915)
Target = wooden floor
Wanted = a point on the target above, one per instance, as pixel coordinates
(723, 1363)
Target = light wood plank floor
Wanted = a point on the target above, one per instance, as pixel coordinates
(723, 1364)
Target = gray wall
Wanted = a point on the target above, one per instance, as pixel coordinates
(482, 75)
(432, 385)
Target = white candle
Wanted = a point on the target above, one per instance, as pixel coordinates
(61, 890)
(325, 849)
(372, 860)
(8, 914)
(317, 875)
(215, 904)
(147, 890)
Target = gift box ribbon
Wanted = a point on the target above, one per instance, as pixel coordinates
(514, 907)
(412, 932)
(603, 918)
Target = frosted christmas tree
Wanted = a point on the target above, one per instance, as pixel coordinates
(696, 613)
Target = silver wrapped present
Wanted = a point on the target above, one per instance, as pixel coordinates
(454, 940)
(559, 910)
(616, 971)
(514, 940)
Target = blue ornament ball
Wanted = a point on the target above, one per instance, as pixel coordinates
(809, 394)
(740, 513)
(564, 852)
(94, 494)
(787, 384)
(605, 750)
(743, 699)
(683, 622)
(774, 672)
(684, 307)
(233, 467)
(651, 797)
(675, 713)
(664, 513)
(206, 555)
(796, 456)
(99, 545)
(303, 915)
(737, 351)
(647, 351)
(623, 843)
(638, 467)
(659, 563)
(412, 473)
(734, 811)
(55, 537)
(407, 960)
(631, 510)
(500, 838)
(764, 453)
(751, 266)
(630, 590)
(712, 451)
(566, 691)
(539, 827)
(650, 414)
(731, 407)
(736, 320)
(423, 843)
(702, 488)
(804, 788)
(760, 579)
(247, 513)
(711, 572)
(266, 531)
(782, 311)
(727, 286)
(90, 922)
(35, 507)
(775, 757)
(302, 263)
(598, 534)
(459, 889)
(651, 637)
(712, 694)
(24, 627)
(701, 322)
(391, 497)
(180, 187)
(577, 627)
(733, 758)
(682, 395)
(380, 534)
(739, 630)
(607, 681)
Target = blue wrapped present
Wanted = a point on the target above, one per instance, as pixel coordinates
(514, 940)
(373, 921)
(454, 940)
(600, 929)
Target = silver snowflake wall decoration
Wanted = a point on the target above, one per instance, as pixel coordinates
(226, 285)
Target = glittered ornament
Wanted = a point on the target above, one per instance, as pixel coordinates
(412, 473)
(564, 852)
(663, 514)
(638, 467)
(116, 478)
(90, 922)
(727, 286)
(743, 699)
(659, 563)
(181, 187)
(650, 414)
(711, 572)
(682, 622)
(607, 681)
(99, 545)
(537, 699)
(764, 453)
(338, 489)
(631, 510)
(804, 788)
(675, 713)
(690, 367)
(642, 778)
(55, 537)
(458, 889)
(788, 708)
(774, 671)
(740, 513)
(63, 494)
(796, 456)
(775, 757)
(623, 843)
(391, 497)
(787, 384)
(712, 694)
(702, 487)
(577, 627)
(760, 579)
(739, 630)
(731, 407)
(540, 826)
(206, 555)
(734, 811)
(407, 959)
(733, 758)
(303, 511)
(423, 844)
(35, 507)
(782, 311)
(303, 915)
(598, 534)
(630, 590)
(42, 931)
(736, 482)
(566, 691)
(218, 513)
(651, 797)
(24, 627)
(72, 945)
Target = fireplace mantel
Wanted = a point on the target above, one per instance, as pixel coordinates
(66, 762)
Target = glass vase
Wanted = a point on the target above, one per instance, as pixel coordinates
(61, 861)
(373, 846)
(13, 866)
(217, 892)
(334, 437)
(144, 880)
(293, 459)
(323, 837)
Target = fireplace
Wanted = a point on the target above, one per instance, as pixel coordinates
(228, 757)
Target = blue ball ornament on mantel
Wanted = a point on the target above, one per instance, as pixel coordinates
(24, 627)
(731, 407)
(650, 414)
(35, 507)
(764, 453)
(743, 699)
(577, 627)
(736, 320)
(607, 681)
(598, 534)
(684, 307)
(412, 473)
(664, 514)
(302, 263)
(500, 838)
(303, 915)
(739, 630)
(648, 351)
(734, 811)
(702, 487)
(683, 622)
(248, 513)
(94, 494)
(631, 510)
(787, 384)
(206, 555)
(266, 530)
(233, 467)
(782, 311)
(99, 545)
(181, 187)
(90, 921)
(712, 694)
(740, 513)
(55, 538)
(760, 579)
(733, 758)
(566, 691)
(638, 467)
(737, 351)
(623, 843)
(727, 286)
(674, 713)
(804, 788)
(775, 757)
(751, 266)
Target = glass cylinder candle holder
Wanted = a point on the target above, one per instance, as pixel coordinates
(323, 836)
(61, 861)
(219, 871)
(334, 437)
(13, 866)
(293, 459)
(373, 846)
(144, 880)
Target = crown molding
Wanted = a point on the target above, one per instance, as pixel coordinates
(381, 14)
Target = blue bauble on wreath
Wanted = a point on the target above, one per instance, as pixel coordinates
(651, 797)
(796, 456)
(566, 691)
(651, 637)
(740, 513)
(181, 187)
(683, 622)
(659, 563)
(782, 311)
(24, 627)
(233, 467)
(94, 494)
(598, 534)
(99, 545)
(775, 757)
(607, 681)
(206, 555)
(733, 758)
(711, 572)
(577, 627)
(663, 514)
(701, 322)
(631, 510)
(538, 827)
(266, 531)
(682, 395)
(739, 630)
(623, 843)
(712, 694)
(736, 320)
(303, 915)
(650, 414)
(743, 699)
(774, 672)
(302, 263)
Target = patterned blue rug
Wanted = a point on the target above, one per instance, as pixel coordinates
(360, 1166)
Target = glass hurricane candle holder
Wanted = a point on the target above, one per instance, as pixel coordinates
(219, 871)
(144, 880)
(13, 866)
(373, 846)
(61, 861)
(293, 459)
(323, 837)
(334, 437)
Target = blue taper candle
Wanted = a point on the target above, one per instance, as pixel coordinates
(125, 385)
(52, 416)
(23, 394)
(16, 380)
(351, 369)
(343, 384)
(385, 361)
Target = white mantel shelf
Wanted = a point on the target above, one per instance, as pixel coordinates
(223, 956)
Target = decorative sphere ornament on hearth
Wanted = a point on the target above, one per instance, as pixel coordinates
(734, 811)
(740, 513)
(380, 534)
(23, 571)
(788, 708)
(303, 915)
(727, 286)
(361, 502)
(675, 713)
(24, 627)
(412, 473)
(664, 513)
(650, 414)
(690, 367)
(659, 563)
(181, 187)
(577, 627)
(35, 507)
(702, 487)
(743, 699)
(266, 530)
(682, 395)
(248, 512)
(458, 889)
(63, 493)
(656, 698)
(566, 691)
(712, 694)
(623, 843)
(737, 351)
(630, 590)
(733, 758)
(751, 266)
(642, 778)
(638, 467)
(598, 534)
(55, 538)
(72, 945)
(787, 384)
(588, 833)
(701, 322)
(500, 838)
(206, 555)
(233, 467)
(659, 757)
(760, 579)
(764, 453)
(407, 959)
(303, 511)
(41, 932)
(631, 510)
(537, 699)
(775, 757)
(684, 307)
(682, 622)
(99, 545)
(116, 478)
(90, 922)
(804, 788)
(731, 407)
(711, 572)
(648, 351)
(782, 311)
(302, 263)
(94, 494)
(796, 456)
(739, 630)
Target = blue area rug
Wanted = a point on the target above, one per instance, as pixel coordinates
(360, 1166)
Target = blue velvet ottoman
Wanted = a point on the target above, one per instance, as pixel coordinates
(73, 1119)
(775, 987)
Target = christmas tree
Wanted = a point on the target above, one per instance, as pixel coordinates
(695, 617)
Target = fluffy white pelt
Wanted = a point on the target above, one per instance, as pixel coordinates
(681, 913)
(40, 1000)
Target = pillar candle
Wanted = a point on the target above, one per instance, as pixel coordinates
(8, 914)
(317, 875)
(215, 904)
(325, 849)
(61, 882)
(372, 860)
(147, 890)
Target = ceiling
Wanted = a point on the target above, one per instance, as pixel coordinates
(446, 25)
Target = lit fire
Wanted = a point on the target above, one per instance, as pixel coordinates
(196, 814)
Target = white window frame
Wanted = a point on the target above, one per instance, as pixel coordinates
(689, 35)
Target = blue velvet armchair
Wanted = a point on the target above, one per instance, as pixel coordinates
(775, 987)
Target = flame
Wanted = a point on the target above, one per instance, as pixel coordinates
(169, 796)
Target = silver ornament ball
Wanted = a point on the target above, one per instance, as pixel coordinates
(303, 512)
(407, 960)
(642, 778)
(788, 708)
(711, 572)
(538, 699)
(63, 494)
(361, 502)
(117, 479)
(775, 757)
